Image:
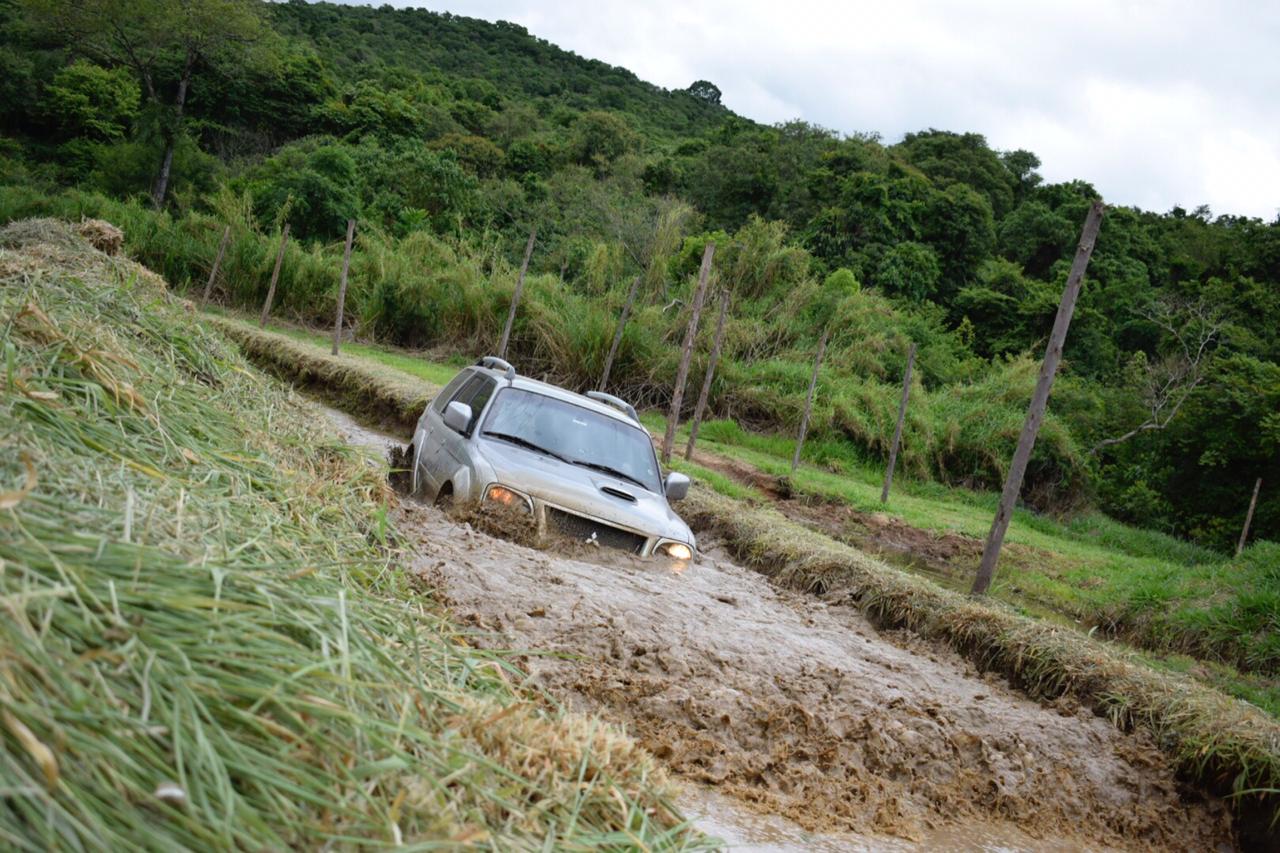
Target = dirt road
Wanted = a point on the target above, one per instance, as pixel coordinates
(800, 709)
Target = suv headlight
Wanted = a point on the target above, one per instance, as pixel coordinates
(508, 497)
(675, 550)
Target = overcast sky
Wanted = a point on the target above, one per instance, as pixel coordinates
(1157, 104)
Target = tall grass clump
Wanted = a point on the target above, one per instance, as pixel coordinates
(206, 639)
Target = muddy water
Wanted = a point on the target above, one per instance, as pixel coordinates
(801, 726)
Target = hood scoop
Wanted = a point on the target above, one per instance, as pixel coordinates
(618, 493)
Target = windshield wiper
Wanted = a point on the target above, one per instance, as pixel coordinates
(596, 466)
(524, 442)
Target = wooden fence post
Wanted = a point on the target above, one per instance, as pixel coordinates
(1248, 519)
(716, 343)
(617, 336)
(808, 401)
(217, 262)
(1039, 400)
(691, 332)
(897, 431)
(342, 285)
(515, 297)
(275, 277)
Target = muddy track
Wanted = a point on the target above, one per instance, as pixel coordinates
(799, 707)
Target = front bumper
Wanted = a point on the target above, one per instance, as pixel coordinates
(580, 526)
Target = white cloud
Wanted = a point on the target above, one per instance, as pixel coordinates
(1154, 103)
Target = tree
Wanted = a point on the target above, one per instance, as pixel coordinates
(705, 90)
(165, 42)
(601, 137)
(88, 100)
(1022, 164)
(910, 270)
(1165, 383)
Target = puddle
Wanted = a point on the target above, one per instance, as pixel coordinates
(796, 723)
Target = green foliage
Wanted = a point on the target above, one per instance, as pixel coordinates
(910, 270)
(84, 99)
(316, 182)
(599, 138)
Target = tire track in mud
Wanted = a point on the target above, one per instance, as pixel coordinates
(799, 707)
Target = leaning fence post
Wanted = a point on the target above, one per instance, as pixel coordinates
(706, 380)
(1039, 400)
(691, 332)
(342, 284)
(217, 262)
(275, 276)
(897, 431)
(808, 401)
(617, 336)
(1248, 519)
(515, 297)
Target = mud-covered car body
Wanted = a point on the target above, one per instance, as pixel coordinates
(582, 466)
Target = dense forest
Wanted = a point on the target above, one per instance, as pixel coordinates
(449, 138)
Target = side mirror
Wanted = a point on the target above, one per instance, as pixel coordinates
(676, 486)
(457, 416)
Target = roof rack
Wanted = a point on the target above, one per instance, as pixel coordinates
(616, 402)
(494, 363)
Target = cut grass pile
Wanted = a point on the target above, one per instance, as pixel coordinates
(206, 641)
(1222, 743)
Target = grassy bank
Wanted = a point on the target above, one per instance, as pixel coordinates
(1219, 742)
(207, 641)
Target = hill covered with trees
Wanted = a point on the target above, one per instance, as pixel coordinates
(449, 138)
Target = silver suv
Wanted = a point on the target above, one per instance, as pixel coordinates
(580, 465)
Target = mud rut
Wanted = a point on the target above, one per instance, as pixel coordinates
(797, 707)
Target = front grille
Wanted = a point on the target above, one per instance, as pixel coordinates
(583, 530)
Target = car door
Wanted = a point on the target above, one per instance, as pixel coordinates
(431, 430)
(455, 446)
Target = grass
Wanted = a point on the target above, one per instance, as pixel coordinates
(1221, 743)
(207, 641)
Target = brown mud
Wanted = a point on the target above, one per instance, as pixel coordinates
(799, 709)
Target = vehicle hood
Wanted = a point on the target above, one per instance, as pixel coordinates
(579, 490)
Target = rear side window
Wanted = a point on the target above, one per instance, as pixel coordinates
(481, 399)
(446, 396)
(476, 394)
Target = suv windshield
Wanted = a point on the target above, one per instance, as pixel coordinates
(577, 435)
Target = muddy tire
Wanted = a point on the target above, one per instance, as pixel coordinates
(444, 500)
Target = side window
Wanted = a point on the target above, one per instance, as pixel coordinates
(480, 400)
(444, 397)
(467, 395)
(468, 391)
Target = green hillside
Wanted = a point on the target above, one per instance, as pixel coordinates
(449, 138)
